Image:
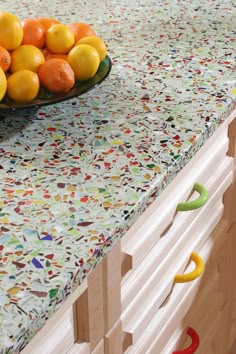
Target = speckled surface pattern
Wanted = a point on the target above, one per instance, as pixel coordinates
(75, 175)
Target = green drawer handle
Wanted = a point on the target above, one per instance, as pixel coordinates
(197, 203)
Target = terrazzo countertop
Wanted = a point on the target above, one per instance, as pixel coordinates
(75, 175)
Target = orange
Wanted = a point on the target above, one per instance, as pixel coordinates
(26, 57)
(5, 59)
(23, 86)
(49, 55)
(81, 30)
(97, 43)
(33, 32)
(56, 75)
(47, 22)
(60, 39)
(3, 84)
(84, 60)
(11, 32)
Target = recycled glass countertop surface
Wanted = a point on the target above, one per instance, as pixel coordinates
(76, 175)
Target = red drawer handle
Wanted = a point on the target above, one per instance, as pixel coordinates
(194, 345)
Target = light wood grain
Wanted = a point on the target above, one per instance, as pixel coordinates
(112, 287)
(113, 340)
(99, 349)
(233, 348)
(179, 302)
(149, 297)
(175, 238)
(232, 139)
(90, 310)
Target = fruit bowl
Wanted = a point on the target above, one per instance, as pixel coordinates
(45, 98)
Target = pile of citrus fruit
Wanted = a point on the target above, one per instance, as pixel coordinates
(43, 52)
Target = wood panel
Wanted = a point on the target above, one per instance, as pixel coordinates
(113, 340)
(90, 310)
(159, 283)
(112, 287)
(99, 307)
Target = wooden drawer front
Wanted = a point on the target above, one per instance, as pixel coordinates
(152, 271)
(168, 318)
(205, 314)
(205, 346)
(162, 257)
(176, 305)
(174, 342)
(143, 235)
(210, 302)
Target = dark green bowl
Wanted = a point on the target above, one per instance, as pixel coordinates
(45, 98)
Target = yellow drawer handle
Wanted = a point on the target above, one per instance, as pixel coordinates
(197, 203)
(184, 278)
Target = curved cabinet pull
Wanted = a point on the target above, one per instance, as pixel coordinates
(193, 346)
(197, 203)
(184, 278)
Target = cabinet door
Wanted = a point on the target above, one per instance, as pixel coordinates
(211, 313)
(146, 299)
(184, 297)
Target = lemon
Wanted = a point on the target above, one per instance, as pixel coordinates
(84, 60)
(60, 39)
(26, 57)
(11, 32)
(3, 84)
(23, 86)
(96, 42)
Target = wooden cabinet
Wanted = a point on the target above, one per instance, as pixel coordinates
(132, 302)
(156, 311)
